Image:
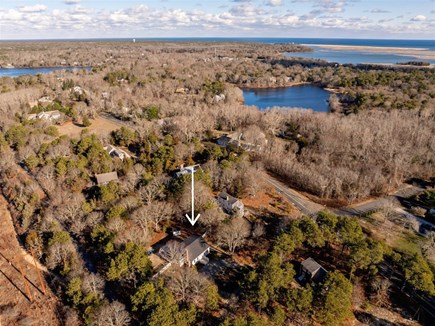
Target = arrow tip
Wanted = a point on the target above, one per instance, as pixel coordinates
(192, 220)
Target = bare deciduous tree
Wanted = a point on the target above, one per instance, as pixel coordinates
(258, 230)
(234, 234)
(113, 314)
(187, 285)
(173, 251)
(152, 191)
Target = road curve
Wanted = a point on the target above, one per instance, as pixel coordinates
(306, 206)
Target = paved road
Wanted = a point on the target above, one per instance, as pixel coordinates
(111, 118)
(306, 206)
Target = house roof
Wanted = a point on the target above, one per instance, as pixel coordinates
(311, 265)
(230, 199)
(195, 246)
(314, 268)
(106, 177)
(114, 151)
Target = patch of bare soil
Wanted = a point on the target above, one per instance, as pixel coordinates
(382, 317)
(272, 202)
(22, 285)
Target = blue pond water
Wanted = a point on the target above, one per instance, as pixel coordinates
(16, 72)
(303, 96)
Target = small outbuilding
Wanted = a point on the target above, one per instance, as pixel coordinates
(105, 178)
(311, 271)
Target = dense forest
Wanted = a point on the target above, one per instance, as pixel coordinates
(168, 104)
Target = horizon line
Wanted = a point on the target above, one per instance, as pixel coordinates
(207, 37)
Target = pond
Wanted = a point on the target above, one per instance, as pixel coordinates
(16, 72)
(301, 96)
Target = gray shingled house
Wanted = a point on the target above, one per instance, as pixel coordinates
(311, 271)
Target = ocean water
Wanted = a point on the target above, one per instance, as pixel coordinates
(302, 96)
(331, 55)
(421, 44)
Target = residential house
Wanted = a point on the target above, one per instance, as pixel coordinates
(46, 115)
(105, 178)
(311, 271)
(236, 140)
(194, 250)
(44, 100)
(231, 204)
(116, 152)
(228, 139)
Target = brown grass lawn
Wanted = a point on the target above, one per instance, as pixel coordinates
(99, 126)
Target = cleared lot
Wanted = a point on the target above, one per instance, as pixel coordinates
(99, 126)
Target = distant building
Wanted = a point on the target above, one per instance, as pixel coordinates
(44, 100)
(116, 152)
(236, 140)
(193, 250)
(311, 271)
(46, 115)
(186, 169)
(231, 204)
(105, 178)
(228, 139)
(218, 98)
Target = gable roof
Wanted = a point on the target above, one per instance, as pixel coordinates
(195, 246)
(106, 177)
(230, 199)
(314, 268)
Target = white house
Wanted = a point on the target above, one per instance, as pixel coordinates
(116, 152)
(231, 204)
(194, 250)
(46, 115)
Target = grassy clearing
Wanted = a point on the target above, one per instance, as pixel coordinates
(99, 126)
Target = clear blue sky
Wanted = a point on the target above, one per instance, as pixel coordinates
(33, 19)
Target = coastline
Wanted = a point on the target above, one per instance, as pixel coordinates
(420, 53)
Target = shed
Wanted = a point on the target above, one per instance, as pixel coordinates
(312, 271)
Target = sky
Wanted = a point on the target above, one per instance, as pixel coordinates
(64, 19)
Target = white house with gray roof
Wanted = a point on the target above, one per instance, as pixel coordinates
(194, 248)
(45, 115)
(116, 152)
(231, 204)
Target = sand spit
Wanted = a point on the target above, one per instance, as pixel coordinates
(413, 52)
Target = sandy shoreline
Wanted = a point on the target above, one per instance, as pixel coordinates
(412, 52)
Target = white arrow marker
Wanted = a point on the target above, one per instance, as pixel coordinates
(193, 219)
